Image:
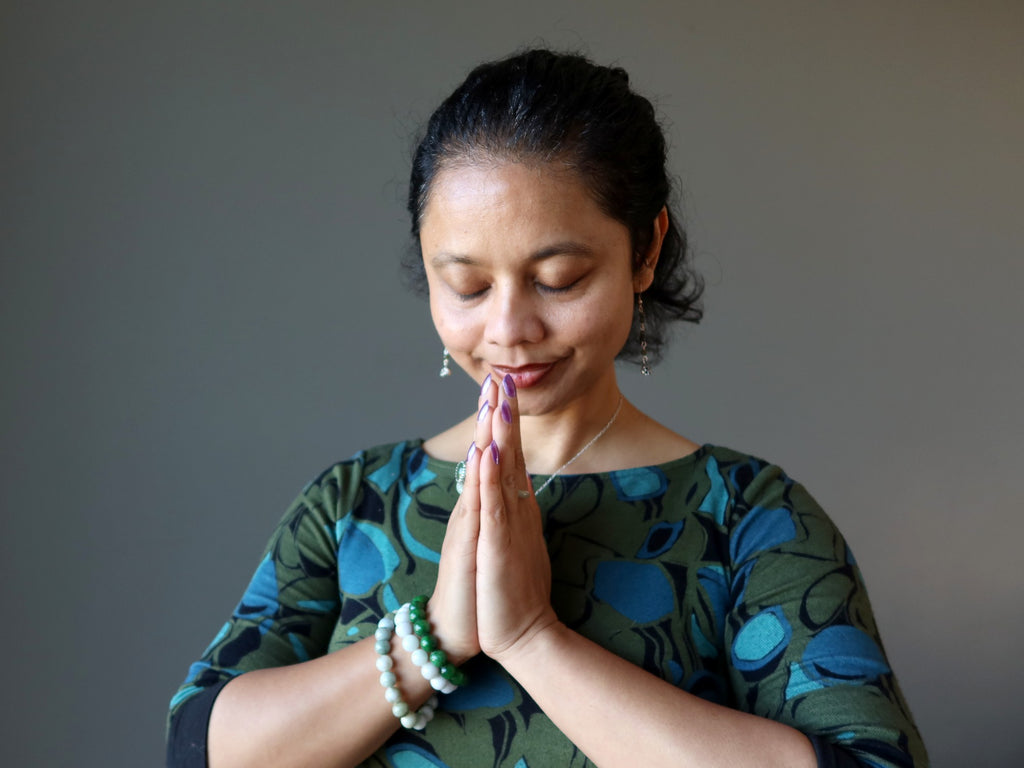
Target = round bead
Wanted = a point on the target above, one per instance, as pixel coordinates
(417, 612)
(438, 683)
(399, 709)
(382, 633)
(410, 643)
(428, 671)
(403, 628)
(428, 643)
(453, 674)
(387, 622)
(392, 695)
(409, 720)
(449, 686)
(438, 658)
(388, 679)
(383, 647)
(421, 627)
(384, 663)
(419, 657)
(419, 600)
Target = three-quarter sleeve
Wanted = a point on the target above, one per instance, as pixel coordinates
(286, 615)
(801, 637)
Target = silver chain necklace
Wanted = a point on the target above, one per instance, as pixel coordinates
(582, 450)
(460, 468)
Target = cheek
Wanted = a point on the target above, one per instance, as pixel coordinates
(605, 322)
(455, 328)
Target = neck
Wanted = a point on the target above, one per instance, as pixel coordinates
(552, 439)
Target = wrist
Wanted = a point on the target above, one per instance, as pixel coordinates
(458, 652)
(537, 643)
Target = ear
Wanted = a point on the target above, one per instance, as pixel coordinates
(643, 275)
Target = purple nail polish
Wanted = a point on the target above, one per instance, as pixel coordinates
(494, 452)
(487, 380)
(509, 385)
(506, 412)
(484, 410)
(471, 451)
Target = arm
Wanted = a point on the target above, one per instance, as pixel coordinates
(266, 690)
(328, 711)
(794, 578)
(603, 703)
(621, 715)
(615, 712)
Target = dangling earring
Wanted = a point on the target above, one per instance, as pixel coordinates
(445, 370)
(645, 369)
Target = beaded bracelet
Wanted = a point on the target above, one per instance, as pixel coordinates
(409, 719)
(413, 626)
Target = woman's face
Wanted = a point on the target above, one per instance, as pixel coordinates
(528, 277)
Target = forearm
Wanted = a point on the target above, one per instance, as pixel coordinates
(330, 711)
(620, 715)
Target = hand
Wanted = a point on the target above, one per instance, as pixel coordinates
(513, 568)
(452, 608)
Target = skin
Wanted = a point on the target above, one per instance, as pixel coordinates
(497, 238)
(529, 278)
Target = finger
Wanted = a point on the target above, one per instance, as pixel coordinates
(488, 400)
(488, 390)
(467, 508)
(504, 424)
(509, 410)
(452, 606)
(492, 497)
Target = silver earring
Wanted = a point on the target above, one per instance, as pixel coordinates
(445, 370)
(645, 369)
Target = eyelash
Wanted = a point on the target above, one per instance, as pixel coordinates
(561, 289)
(549, 289)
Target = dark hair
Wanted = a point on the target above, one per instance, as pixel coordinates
(542, 106)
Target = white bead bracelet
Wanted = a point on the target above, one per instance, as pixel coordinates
(410, 642)
(409, 719)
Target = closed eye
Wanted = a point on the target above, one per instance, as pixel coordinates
(469, 296)
(558, 288)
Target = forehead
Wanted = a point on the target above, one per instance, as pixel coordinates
(503, 199)
(492, 182)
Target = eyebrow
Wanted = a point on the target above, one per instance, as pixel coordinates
(564, 248)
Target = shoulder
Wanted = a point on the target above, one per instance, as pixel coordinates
(380, 466)
(760, 508)
(747, 477)
(744, 486)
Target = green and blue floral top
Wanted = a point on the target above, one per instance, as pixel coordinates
(716, 572)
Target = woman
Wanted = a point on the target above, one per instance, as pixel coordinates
(603, 589)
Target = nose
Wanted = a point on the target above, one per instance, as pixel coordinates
(513, 317)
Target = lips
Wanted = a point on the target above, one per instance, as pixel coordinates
(524, 376)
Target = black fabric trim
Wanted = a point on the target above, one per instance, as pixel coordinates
(831, 756)
(186, 733)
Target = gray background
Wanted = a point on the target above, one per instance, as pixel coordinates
(200, 229)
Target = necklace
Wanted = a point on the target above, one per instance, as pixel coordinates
(460, 468)
(582, 450)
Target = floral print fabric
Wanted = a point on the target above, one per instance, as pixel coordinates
(715, 572)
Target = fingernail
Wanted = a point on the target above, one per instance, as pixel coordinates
(471, 451)
(506, 412)
(494, 452)
(484, 409)
(487, 380)
(509, 385)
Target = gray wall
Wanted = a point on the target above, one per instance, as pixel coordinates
(200, 225)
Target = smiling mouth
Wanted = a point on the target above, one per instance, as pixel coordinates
(524, 376)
